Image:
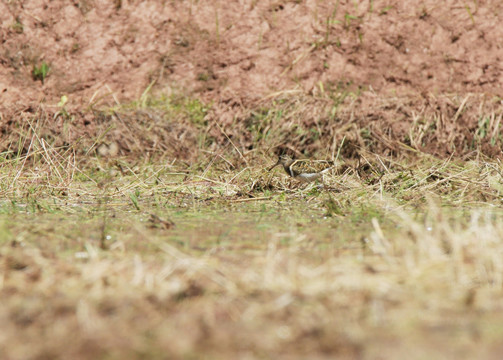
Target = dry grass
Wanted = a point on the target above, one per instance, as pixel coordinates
(232, 289)
(184, 129)
(399, 256)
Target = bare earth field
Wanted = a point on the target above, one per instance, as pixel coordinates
(137, 217)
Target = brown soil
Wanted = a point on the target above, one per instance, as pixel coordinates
(235, 54)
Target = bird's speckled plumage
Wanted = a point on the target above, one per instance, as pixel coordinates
(304, 170)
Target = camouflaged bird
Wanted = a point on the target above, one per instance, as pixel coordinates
(303, 170)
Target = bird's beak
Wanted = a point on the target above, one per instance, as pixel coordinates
(272, 167)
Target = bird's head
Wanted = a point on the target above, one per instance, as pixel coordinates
(282, 160)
